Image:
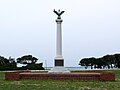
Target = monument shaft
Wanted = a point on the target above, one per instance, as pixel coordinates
(59, 61)
(59, 39)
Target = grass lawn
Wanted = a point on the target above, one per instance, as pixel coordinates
(60, 85)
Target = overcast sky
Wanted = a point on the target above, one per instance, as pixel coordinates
(90, 28)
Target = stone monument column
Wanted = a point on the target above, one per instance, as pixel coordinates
(59, 61)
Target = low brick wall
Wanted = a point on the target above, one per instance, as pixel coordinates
(15, 75)
(12, 76)
(71, 76)
(107, 76)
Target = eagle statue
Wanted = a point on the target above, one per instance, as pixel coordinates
(59, 13)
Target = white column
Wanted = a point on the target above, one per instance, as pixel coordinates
(59, 61)
(59, 40)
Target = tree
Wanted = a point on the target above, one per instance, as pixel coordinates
(107, 60)
(3, 61)
(31, 63)
(7, 64)
(87, 62)
(84, 62)
(35, 66)
(92, 61)
(117, 61)
(96, 62)
(27, 59)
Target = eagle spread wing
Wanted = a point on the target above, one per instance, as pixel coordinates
(56, 12)
(62, 12)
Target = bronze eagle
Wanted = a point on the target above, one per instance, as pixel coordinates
(59, 13)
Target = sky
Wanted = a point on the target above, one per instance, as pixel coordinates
(90, 28)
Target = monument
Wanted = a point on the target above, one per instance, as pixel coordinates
(59, 61)
(59, 72)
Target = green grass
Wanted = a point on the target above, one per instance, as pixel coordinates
(60, 85)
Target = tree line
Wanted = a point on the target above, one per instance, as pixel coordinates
(29, 61)
(107, 61)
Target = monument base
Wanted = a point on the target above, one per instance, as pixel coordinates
(58, 70)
